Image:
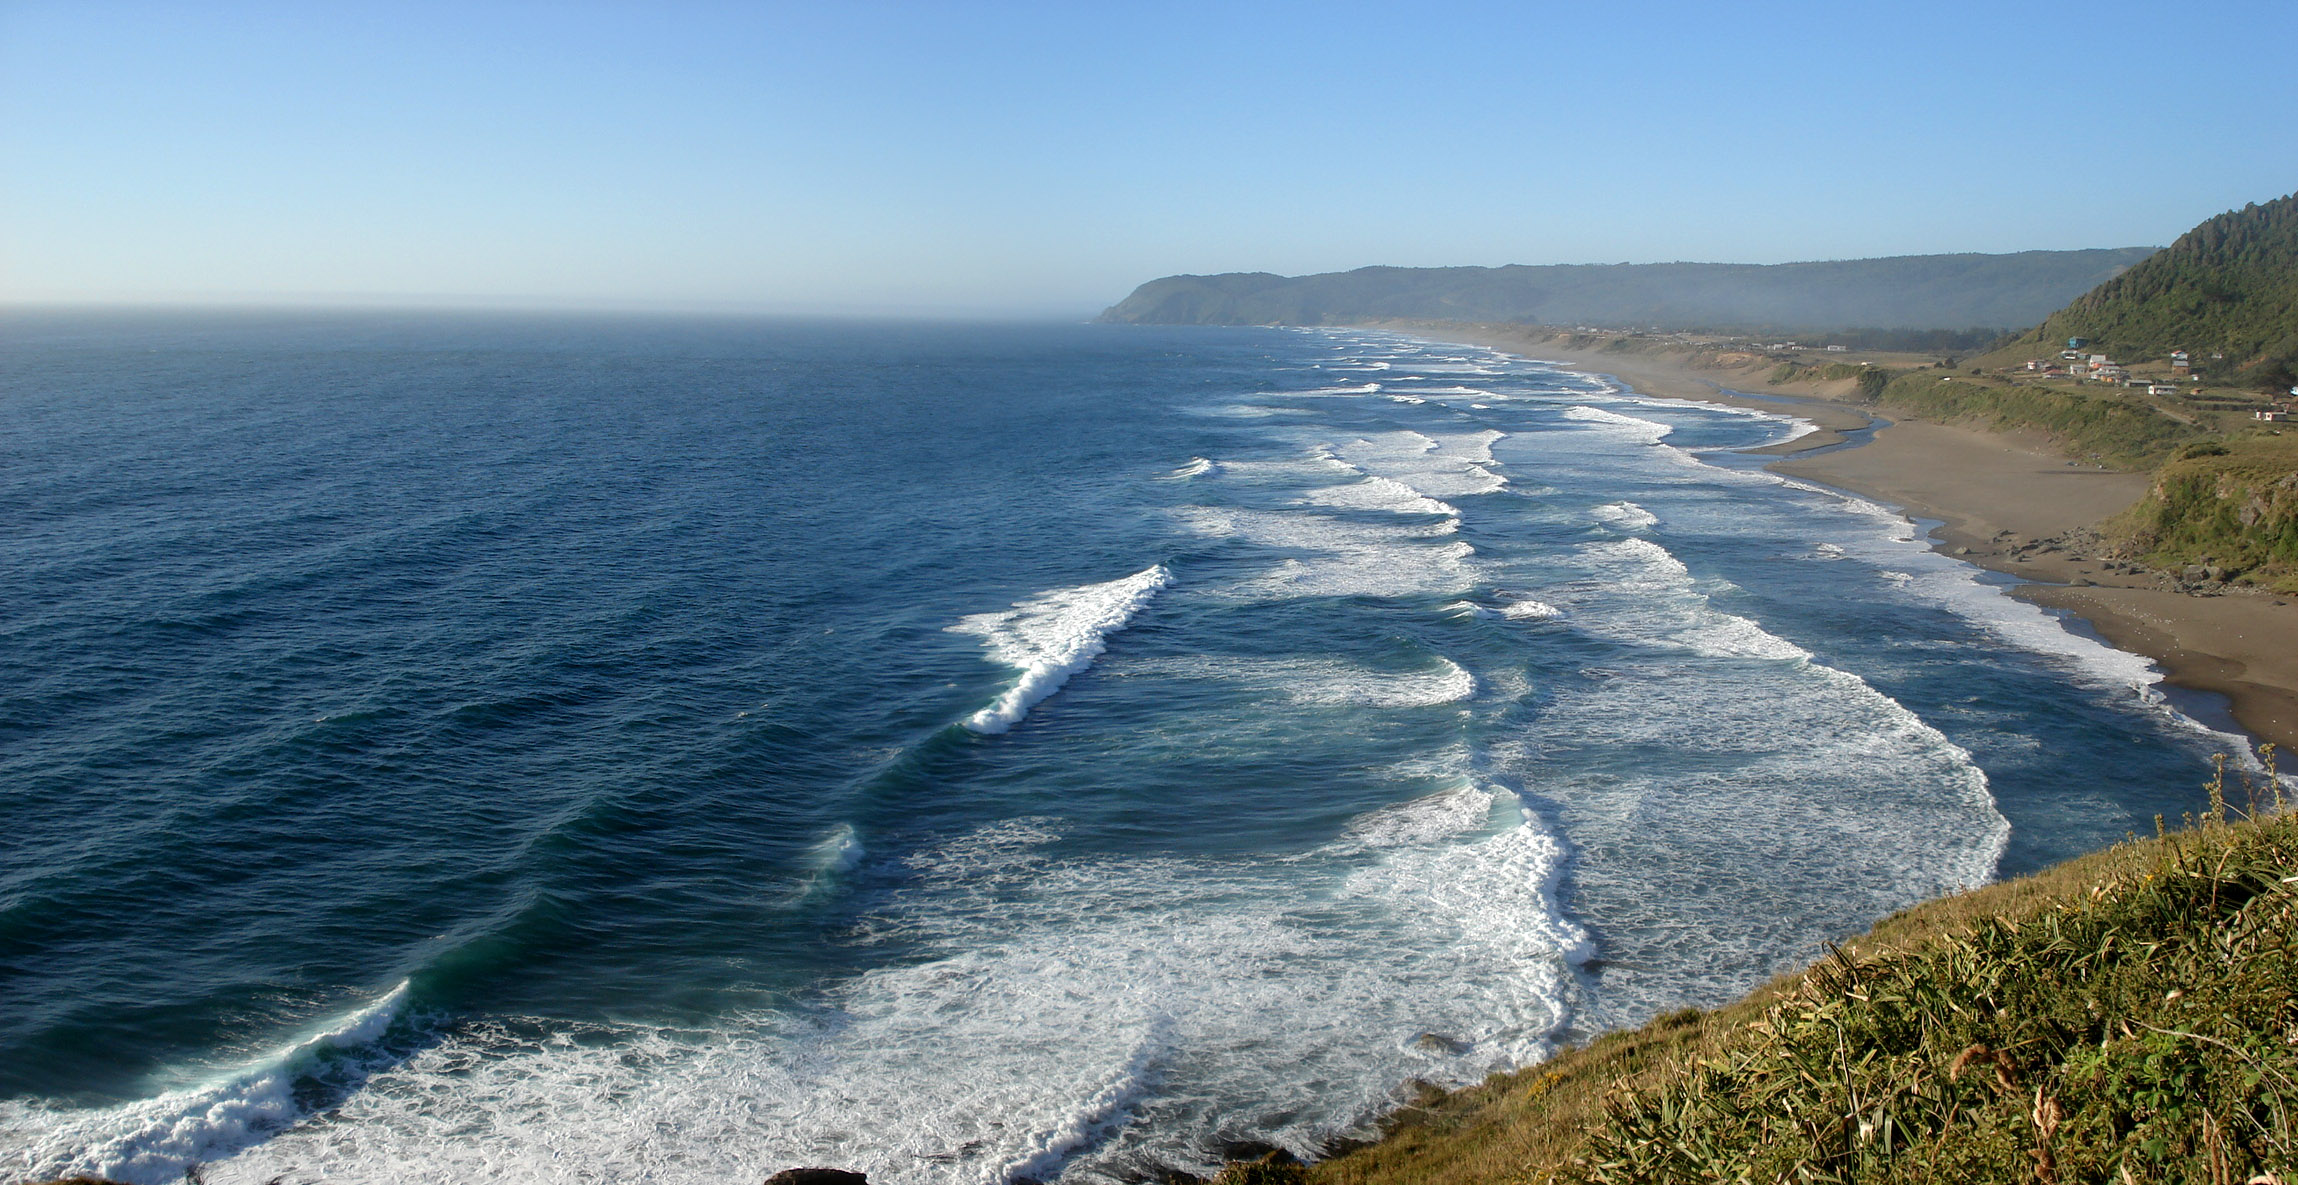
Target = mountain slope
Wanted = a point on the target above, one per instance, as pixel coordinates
(2228, 287)
(1902, 292)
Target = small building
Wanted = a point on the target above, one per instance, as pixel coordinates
(2076, 343)
(1838, 349)
(2273, 414)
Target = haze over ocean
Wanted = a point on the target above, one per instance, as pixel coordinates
(1034, 159)
(563, 748)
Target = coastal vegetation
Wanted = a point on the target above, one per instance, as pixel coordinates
(2227, 506)
(2226, 293)
(2092, 425)
(2130, 1016)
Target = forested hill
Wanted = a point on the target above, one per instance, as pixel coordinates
(1903, 292)
(2228, 287)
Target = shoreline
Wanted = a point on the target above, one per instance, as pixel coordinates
(2007, 503)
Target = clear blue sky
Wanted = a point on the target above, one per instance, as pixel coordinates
(1026, 158)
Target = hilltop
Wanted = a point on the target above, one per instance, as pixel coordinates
(2226, 294)
(1901, 292)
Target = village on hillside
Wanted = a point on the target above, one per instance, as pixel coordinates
(2172, 378)
(2173, 384)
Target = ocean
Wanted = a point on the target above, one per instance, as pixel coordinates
(501, 748)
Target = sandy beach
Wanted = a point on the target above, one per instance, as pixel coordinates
(2007, 503)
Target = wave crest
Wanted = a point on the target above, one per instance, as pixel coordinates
(1054, 635)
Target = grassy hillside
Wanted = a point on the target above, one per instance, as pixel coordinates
(2227, 287)
(2229, 504)
(1921, 292)
(2131, 1016)
(2097, 423)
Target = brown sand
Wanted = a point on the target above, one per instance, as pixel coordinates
(2011, 504)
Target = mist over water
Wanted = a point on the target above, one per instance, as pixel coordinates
(532, 750)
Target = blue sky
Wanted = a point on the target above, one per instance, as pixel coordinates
(1007, 159)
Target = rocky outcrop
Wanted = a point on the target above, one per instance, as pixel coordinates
(817, 1177)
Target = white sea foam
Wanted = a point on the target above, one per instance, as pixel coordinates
(1450, 466)
(1366, 389)
(1340, 557)
(1530, 610)
(1645, 431)
(1666, 608)
(1454, 390)
(1626, 516)
(1322, 681)
(1197, 467)
(156, 1140)
(1318, 465)
(1523, 609)
(1911, 565)
(1711, 764)
(1089, 1018)
(1650, 598)
(1476, 447)
(1907, 563)
(1378, 493)
(1054, 635)
(1451, 366)
(839, 851)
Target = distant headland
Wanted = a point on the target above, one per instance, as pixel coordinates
(1901, 292)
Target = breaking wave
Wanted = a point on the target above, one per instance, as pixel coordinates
(1054, 635)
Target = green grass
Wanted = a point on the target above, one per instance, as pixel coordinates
(2116, 429)
(2129, 1016)
(2231, 502)
(1820, 372)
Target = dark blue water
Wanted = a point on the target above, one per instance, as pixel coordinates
(511, 749)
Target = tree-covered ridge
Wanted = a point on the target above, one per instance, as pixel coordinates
(2229, 286)
(1902, 292)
